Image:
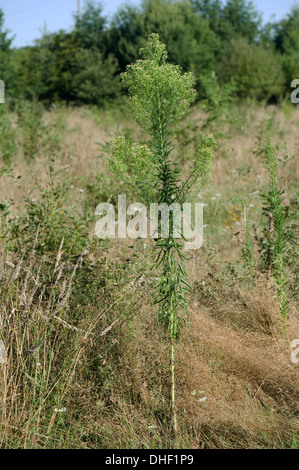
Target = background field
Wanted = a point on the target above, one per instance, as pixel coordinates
(102, 363)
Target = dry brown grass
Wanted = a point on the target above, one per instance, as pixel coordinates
(246, 374)
(243, 370)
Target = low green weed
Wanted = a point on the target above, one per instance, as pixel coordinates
(51, 214)
(8, 137)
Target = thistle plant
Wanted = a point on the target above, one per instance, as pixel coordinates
(159, 94)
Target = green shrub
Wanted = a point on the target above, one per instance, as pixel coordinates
(256, 71)
(48, 218)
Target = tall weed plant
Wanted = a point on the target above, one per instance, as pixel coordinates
(159, 95)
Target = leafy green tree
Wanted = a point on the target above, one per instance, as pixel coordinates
(287, 43)
(242, 18)
(5, 41)
(191, 43)
(31, 79)
(234, 18)
(203, 36)
(70, 66)
(212, 11)
(46, 70)
(90, 29)
(98, 81)
(55, 63)
(256, 71)
(6, 66)
(59, 55)
(126, 34)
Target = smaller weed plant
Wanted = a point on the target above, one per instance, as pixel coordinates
(8, 137)
(38, 137)
(50, 212)
(30, 115)
(218, 99)
(275, 239)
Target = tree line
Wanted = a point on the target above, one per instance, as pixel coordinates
(224, 44)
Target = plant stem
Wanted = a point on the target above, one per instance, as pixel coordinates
(172, 371)
(172, 348)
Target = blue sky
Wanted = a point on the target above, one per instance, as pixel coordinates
(27, 18)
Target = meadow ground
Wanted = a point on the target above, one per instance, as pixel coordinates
(86, 363)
